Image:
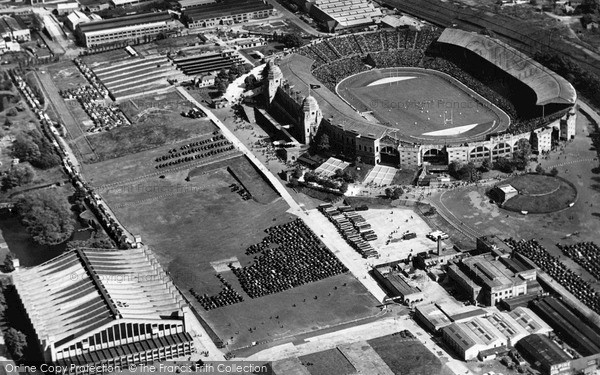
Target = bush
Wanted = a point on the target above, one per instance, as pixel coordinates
(554, 172)
(16, 342)
(20, 174)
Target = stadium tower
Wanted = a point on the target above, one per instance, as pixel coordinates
(273, 81)
(311, 117)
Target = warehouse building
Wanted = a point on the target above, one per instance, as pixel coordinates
(111, 307)
(432, 317)
(226, 12)
(129, 28)
(508, 327)
(78, 17)
(470, 338)
(487, 280)
(396, 286)
(335, 15)
(530, 321)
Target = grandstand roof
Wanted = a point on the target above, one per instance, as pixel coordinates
(296, 70)
(85, 289)
(548, 86)
(224, 9)
(136, 19)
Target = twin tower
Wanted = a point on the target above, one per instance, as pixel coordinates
(307, 116)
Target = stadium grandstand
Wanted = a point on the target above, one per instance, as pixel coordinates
(137, 75)
(335, 15)
(206, 62)
(105, 307)
(226, 12)
(522, 99)
(129, 28)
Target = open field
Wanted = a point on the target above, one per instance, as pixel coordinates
(156, 121)
(194, 226)
(540, 194)
(66, 75)
(406, 356)
(420, 103)
(327, 362)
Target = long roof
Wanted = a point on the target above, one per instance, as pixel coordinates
(543, 349)
(224, 9)
(85, 289)
(548, 86)
(136, 19)
(296, 70)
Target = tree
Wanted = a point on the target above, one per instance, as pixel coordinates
(297, 173)
(8, 262)
(323, 144)
(94, 242)
(539, 169)
(554, 172)
(17, 175)
(522, 153)
(46, 216)
(394, 193)
(486, 165)
(36, 149)
(344, 187)
(25, 148)
(250, 81)
(221, 85)
(16, 342)
(504, 165)
(292, 40)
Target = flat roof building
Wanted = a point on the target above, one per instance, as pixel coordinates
(530, 321)
(129, 28)
(226, 12)
(335, 15)
(98, 306)
(508, 326)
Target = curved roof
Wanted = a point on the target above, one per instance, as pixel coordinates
(310, 104)
(548, 86)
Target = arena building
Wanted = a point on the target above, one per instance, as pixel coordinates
(111, 307)
(543, 108)
(140, 26)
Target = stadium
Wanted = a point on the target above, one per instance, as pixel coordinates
(404, 97)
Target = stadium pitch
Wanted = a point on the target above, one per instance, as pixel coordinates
(427, 106)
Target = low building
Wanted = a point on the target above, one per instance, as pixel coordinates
(129, 28)
(205, 80)
(508, 326)
(77, 17)
(94, 5)
(541, 349)
(105, 307)
(184, 4)
(127, 3)
(530, 321)
(396, 285)
(66, 8)
(502, 193)
(226, 12)
(432, 317)
(492, 244)
(14, 30)
(470, 338)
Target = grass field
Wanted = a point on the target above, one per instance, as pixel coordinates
(191, 225)
(66, 75)
(540, 194)
(327, 362)
(156, 121)
(419, 103)
(406, 356)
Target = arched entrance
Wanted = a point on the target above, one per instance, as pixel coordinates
(435, 156)
(390, 155)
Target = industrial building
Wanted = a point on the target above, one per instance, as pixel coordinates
(502, 193)
(77, 17)
(14, 30)
(530, 321)
(509, 327)
(572, 329)
(470, 338)
(486, 280)
(396, 286)
(128, 28)
(432, 317)
(111, 307)
(184, 4)
(226, 12)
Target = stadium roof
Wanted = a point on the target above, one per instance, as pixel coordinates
(224, 9)
(136, 19)
(548, 86)
(85, 289)
(296, 70)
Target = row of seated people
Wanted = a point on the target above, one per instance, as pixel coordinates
(331, 74)
(290, 256)
(525, 126)
(408, 58)
(552, 265)
(586, 254)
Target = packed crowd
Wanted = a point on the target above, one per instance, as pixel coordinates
(558, 271)
(586, 254)
(105, 116)
(324, 49)
(409, 58)
(331, 74)
(289, 256)
(227, 296)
